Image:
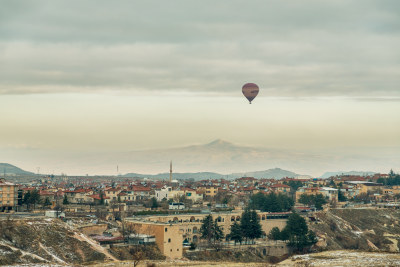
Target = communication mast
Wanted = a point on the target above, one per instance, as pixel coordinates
(170, 172)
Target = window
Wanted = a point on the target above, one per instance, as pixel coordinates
(169, 240)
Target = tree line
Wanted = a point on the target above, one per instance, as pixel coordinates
(296, 232)
(316, 200)
(248, 229)
(271, 202)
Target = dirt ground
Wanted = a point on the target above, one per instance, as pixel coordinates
(183, 263)
(344, 258)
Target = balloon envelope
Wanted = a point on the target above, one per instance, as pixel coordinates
(250, 91)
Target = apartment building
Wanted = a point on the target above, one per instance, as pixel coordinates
(8, 195)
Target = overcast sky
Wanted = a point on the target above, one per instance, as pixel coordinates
(105, 76)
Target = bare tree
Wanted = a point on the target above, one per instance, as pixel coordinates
(128, 229)
(137, 255)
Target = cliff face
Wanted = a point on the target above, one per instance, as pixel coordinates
(360, 229)
(45, 241)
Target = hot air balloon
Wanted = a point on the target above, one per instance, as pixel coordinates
(250, 91)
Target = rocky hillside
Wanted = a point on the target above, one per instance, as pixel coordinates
(46, 241)
(359, 229)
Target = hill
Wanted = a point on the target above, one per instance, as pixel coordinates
(365, 229)
(276, 173)
(357, 173)
(46, 241)
(9, 169)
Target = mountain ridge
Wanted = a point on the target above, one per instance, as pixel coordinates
(357, 173)
(276, 173)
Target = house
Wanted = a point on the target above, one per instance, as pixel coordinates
(280, 188)
(112, 193)
(96, 198)
(78, 196)
(193, 195)
(141, 192)
(176, 206)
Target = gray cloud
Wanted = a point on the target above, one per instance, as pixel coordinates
(307, 48)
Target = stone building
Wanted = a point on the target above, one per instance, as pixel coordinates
(186, 227)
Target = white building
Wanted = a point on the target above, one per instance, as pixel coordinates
(176, 206)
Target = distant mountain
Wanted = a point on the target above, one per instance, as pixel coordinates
(357, 173)
(165, 176)
(272, 173)
(9, 169)
(220, 157)
(276, 173)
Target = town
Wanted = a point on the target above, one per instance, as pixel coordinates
(183, 217)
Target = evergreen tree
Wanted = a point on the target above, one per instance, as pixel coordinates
(154, 203)
(236, 233)
(20, 198)
(341, 197)
(27, 199)
(275, 234)
(211, 231)
(319, 200)
(46, 202)
(65, 200)
(101, 198)
(294, 184)
(257, 201)
(250, 225)
(35, 198)
(272, 203)
(305, 199)
(296, 231)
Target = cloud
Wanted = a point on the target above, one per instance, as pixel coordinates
(312, 48)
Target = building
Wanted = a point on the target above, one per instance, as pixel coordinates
(176, 206)
(78, 195)
(208, 191)
(163, 193)
(168, 237)
(186, 227)
(193, 195)
(141, 239)
(366, 187)
(280, 188)
(8, 195)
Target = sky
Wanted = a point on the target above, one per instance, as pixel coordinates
(104, 76)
